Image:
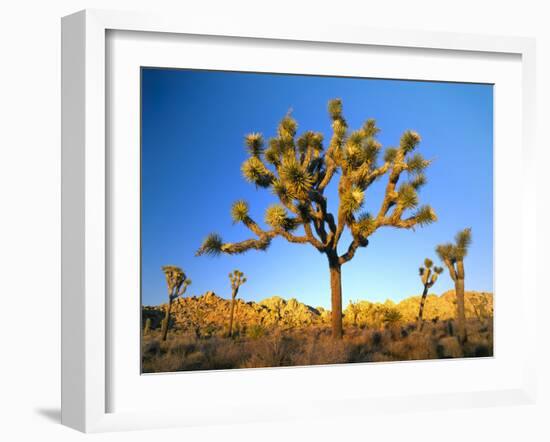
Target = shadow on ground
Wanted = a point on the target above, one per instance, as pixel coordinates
(51, 414)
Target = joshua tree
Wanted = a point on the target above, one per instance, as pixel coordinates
(237, 279)
(453, 256)
(177, 283)
(298, 171)
(354, 310)
(428, 276)
(147, 327)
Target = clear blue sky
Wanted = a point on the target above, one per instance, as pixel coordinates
(193, 125)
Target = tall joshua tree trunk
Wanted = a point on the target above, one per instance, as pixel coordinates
(336, 296)
(420, 322)
(237, 279)
(459, 290)
(233, 296)
(166, 320)
(453, 256)
(428, 276)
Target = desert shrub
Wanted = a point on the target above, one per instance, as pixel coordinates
(392, 316)
(182, 345)
(450, 328)
(151, 347)
(449, 347)
(259, 346)
(359, 348)
(222, 353)
(482, 350)
(376, 338)
(255, 331)
(381, 357)
(414, 347)
(274, 351)
(323, 351)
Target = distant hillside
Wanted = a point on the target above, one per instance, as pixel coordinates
(208, 314)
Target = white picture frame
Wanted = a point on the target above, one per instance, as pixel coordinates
(86, 205)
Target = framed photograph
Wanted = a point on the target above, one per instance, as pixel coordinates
(279, 223)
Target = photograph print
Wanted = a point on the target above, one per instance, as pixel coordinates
(301, 220)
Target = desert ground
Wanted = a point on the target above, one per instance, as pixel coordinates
(276, 332)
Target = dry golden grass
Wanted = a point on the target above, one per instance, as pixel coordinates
(261, 347)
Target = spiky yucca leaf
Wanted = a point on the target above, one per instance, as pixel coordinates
(353, 154)
(239, 211)
(407, 197)
(281, 190)
(425, 215)
(303, 142)
(419, 180)
(276, 216)
(295, 177)
(309, 139)
(428, 263)
(335, 108)
(390, 154)
(287, 128)
(352, 200)
(317, 141)
(273, 153)
(371, 148)
(409, 141)
(171, 269)
(438, 270)
(369, 128)
(365, 224)
(463, 240)
(212, 245)
(340, 128)
(421, 271)
(446, 252)
(417, 163)
(355, 139)
(254, 144)
(254, 171)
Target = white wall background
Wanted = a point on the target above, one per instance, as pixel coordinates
(30, 215)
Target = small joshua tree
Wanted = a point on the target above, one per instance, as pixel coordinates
(453, 256)
(237, 279)
(298, 171)
(177, 283)
(147, 327)
(354, 310)
(428, 276)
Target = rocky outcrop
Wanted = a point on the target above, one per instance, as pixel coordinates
(208, 314)
(477, 305)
